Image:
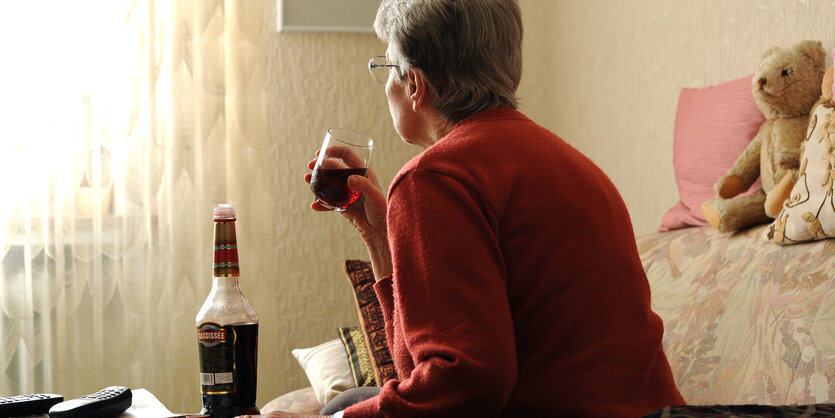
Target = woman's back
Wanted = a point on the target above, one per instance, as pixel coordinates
(524, 255)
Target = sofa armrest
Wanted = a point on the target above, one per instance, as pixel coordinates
(300, 401)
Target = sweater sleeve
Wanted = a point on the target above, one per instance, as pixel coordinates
(449, 322)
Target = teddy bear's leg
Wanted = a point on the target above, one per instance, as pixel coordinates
(729, 215)
(781, 192)
(710, 210)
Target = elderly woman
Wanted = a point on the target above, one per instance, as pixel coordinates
(506, 262)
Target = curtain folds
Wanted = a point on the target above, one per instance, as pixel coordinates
(123, 127)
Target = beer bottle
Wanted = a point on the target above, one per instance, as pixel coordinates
(227, 330)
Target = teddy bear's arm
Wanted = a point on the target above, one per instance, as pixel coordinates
(789, 135)
(743, 173)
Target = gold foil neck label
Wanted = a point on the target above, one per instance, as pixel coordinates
(225, 250)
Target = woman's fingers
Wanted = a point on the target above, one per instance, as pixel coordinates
(318, 207)
(364, 185)
(374, 200)
(348, 156)
(372, 176)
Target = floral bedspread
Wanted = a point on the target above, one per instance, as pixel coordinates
(746, 321)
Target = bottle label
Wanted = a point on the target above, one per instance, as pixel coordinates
(217, 358)
(229, 360)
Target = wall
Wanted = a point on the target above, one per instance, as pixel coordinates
(606, 74)
(603, 74)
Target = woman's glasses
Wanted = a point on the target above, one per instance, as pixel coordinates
(380, 69)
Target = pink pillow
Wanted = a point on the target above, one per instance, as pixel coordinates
(713, 126)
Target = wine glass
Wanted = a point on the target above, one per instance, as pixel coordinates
(343, 154)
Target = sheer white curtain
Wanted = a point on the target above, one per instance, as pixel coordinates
(117, 119)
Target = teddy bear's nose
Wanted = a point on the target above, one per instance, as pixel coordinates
(762, 82)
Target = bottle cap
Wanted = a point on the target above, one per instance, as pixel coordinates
(224, 211)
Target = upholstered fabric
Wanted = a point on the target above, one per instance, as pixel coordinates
(371, 320)
(809, 213)
(301, 401)
(748, 411)
(713, 126)
(746, 321)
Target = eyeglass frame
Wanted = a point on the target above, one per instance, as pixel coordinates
(372, 66)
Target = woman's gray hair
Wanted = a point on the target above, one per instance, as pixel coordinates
(470, 51)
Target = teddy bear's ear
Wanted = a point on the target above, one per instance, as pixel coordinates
(814, 51)
(770, 51)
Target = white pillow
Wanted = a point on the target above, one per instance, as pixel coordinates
(327, 369)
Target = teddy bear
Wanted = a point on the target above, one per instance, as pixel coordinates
(785, 87)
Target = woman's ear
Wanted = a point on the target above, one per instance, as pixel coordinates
(419, 92)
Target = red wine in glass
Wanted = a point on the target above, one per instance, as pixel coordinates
(330, 185)
(344, 153)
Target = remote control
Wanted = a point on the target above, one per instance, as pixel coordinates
(30, 404)
(108, 402)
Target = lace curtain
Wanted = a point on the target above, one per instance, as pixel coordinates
(117, 119)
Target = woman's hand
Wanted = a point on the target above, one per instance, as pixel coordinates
(368, 216)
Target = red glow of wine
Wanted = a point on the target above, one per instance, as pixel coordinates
(331, 186)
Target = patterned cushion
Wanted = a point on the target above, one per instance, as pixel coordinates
(371, 319)
(358, 356)
(809, 213)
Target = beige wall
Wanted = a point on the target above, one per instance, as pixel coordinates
(603, 74)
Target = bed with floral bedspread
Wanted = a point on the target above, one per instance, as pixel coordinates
(746, 321)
